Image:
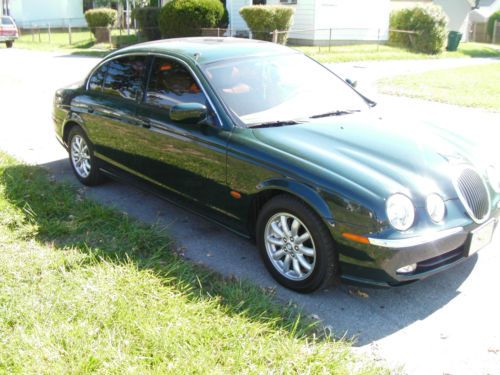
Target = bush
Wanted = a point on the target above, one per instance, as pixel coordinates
(100, 17)
(491, 23)
(429, 21)
(262, 20)
(187, 17)
(147, 20)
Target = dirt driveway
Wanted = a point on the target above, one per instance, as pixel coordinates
(446, 324)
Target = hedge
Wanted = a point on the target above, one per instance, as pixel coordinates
(262, 20)
(491, 23)
(428, 21)
(187, 17)
(100, 17)
(147, 20)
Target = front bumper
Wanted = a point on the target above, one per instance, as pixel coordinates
(376, 264)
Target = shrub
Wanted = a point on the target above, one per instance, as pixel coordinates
(491, 23)
(188, 17)
(147, 20)
(428, 21)
(100, 17)
(262, 20)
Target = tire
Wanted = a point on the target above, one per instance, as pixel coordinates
(82, 159)
(290, 255)
(9, 44)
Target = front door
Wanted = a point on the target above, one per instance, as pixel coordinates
(188, 158)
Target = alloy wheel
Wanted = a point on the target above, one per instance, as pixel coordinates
(290, 246)
(80, 156)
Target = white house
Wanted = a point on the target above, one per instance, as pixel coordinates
(458, 12)
(57, 13)
(315, 21)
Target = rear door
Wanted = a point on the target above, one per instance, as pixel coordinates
(110, 109)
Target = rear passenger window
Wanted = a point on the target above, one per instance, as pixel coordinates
(170, 84)
(95, 82)
(6, 21)
(125, 77)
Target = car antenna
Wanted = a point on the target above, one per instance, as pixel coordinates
(196, 56)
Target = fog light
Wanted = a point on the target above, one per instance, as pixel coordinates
(407, 269)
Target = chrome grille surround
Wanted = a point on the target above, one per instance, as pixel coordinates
(473, 193)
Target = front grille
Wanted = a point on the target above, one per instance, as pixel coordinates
(473, 194)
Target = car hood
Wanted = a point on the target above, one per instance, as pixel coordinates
(379, 154)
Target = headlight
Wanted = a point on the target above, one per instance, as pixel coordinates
(493, 178)
(435, 207)
(400, 211)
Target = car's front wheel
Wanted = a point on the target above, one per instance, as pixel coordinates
(82, 159)
(295, 245)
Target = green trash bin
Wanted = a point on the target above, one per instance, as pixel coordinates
(454, 38)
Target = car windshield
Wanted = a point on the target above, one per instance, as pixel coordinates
(6, 21)
(283, 89)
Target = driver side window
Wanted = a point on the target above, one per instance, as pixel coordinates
(171, 84)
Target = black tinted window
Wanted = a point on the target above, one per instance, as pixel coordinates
(95, 82)
(125, 77)
(172, 84)
(6, 21)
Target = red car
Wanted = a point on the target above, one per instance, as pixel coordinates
(8, 31)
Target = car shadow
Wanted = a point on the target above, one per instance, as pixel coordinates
(361, 314)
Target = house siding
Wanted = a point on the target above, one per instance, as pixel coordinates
(303, 19)
(352, 20)
(236, 22)
(57, 13)
(458, 13)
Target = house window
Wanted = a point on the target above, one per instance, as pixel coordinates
(259, 2)
(288, 2)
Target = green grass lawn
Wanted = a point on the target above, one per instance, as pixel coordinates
(363, 52)
(472, 86)
(85, 288)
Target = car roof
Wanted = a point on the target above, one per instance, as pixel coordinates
(208, 49)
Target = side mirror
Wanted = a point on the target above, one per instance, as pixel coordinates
(351, 82)
(192, 112)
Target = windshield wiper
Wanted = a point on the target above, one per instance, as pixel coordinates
(336, 113)
(271, 124)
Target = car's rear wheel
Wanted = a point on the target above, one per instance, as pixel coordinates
(295, 245)
(82, 159)
(9, 44)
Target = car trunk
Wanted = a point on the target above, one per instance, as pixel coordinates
(7, 28)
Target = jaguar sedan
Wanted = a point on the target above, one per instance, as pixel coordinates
(276, 147)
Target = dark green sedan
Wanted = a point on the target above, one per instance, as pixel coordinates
(274, 146)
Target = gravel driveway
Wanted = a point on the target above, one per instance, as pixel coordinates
(445, 324)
